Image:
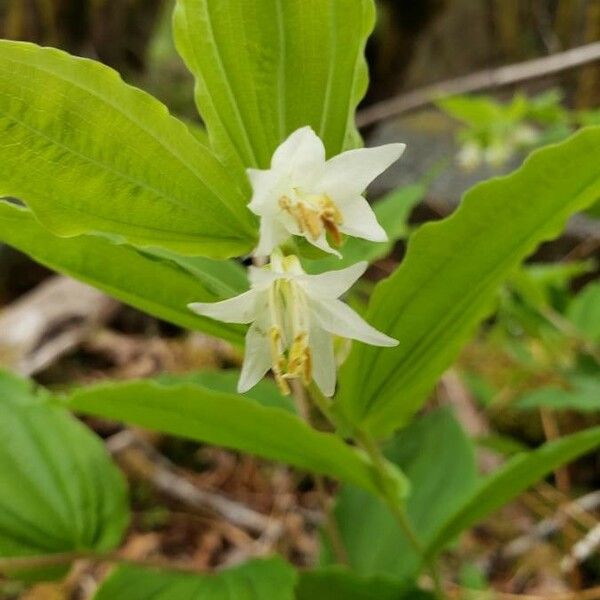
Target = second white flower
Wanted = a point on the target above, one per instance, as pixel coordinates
(305, 194)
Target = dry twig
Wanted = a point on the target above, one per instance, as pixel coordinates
(50, 321)
(142, 459)
(481, 80)
(551, 525)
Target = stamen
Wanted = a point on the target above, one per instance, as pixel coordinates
(314, 213)
(285, 203)
(333, 230)
(300, 360)
(310, 220)
(278, 360)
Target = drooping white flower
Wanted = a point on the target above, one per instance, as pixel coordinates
(304, 194)
(294, 317)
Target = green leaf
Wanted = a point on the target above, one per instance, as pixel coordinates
(477, 111)
(540, 284)
(59, 490)
(264, 69)
(439, 461)
(510, 480)
(583, 395)
(271, 579)
(448, 280)
(333, 583)
(229, 420)
(156, 286)
(584, 311)
(225, 278)
(265, 392)
(88, 153)
(392, 212)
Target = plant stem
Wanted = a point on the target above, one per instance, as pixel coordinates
(379, 464)
(330, 524)
(25, 563)
(39, 562)
(322, 403)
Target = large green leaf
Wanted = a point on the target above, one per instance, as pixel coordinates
(256, 580)
(439, 461)
(265, 392)
(89, 153)
(225, 278)
(59, 491)
(263, 69)
(156, 286)
(196, 412)
(334, 583)
(505, 484)
(448, 280)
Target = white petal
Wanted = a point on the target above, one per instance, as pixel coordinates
(332, 284)
(272, 233)
(348, 174)
(261, 277)
(239, 309)
(302, 150)
(338, 318)
(267, 188)
(322, 243)
(360, 221)
(323, 359)
(257, 359)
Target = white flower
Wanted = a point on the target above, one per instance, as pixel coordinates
(470, 156)
(294, 317)
(498, 153)
(303, 194)
(525, 136)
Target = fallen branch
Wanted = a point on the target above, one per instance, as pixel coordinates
(142, 459)
(50, 321)
(549, 526)
(582, 550)
(481, 80)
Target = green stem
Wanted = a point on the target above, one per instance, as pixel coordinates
(322, 403)
(380, 466)
(330, 523)
(26, 563)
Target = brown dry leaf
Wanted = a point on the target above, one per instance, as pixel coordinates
(141, 545)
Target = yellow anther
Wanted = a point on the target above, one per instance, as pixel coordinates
(300, 360)
(282, 384)
(278, 362)
(285, 203)
(314, 213)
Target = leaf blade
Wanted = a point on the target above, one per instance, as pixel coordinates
(448, 279)
(54, 500)
(228, 420)
(511, 479)
(155, 286)
(145, 177)
(264, 69)
(271, 579)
